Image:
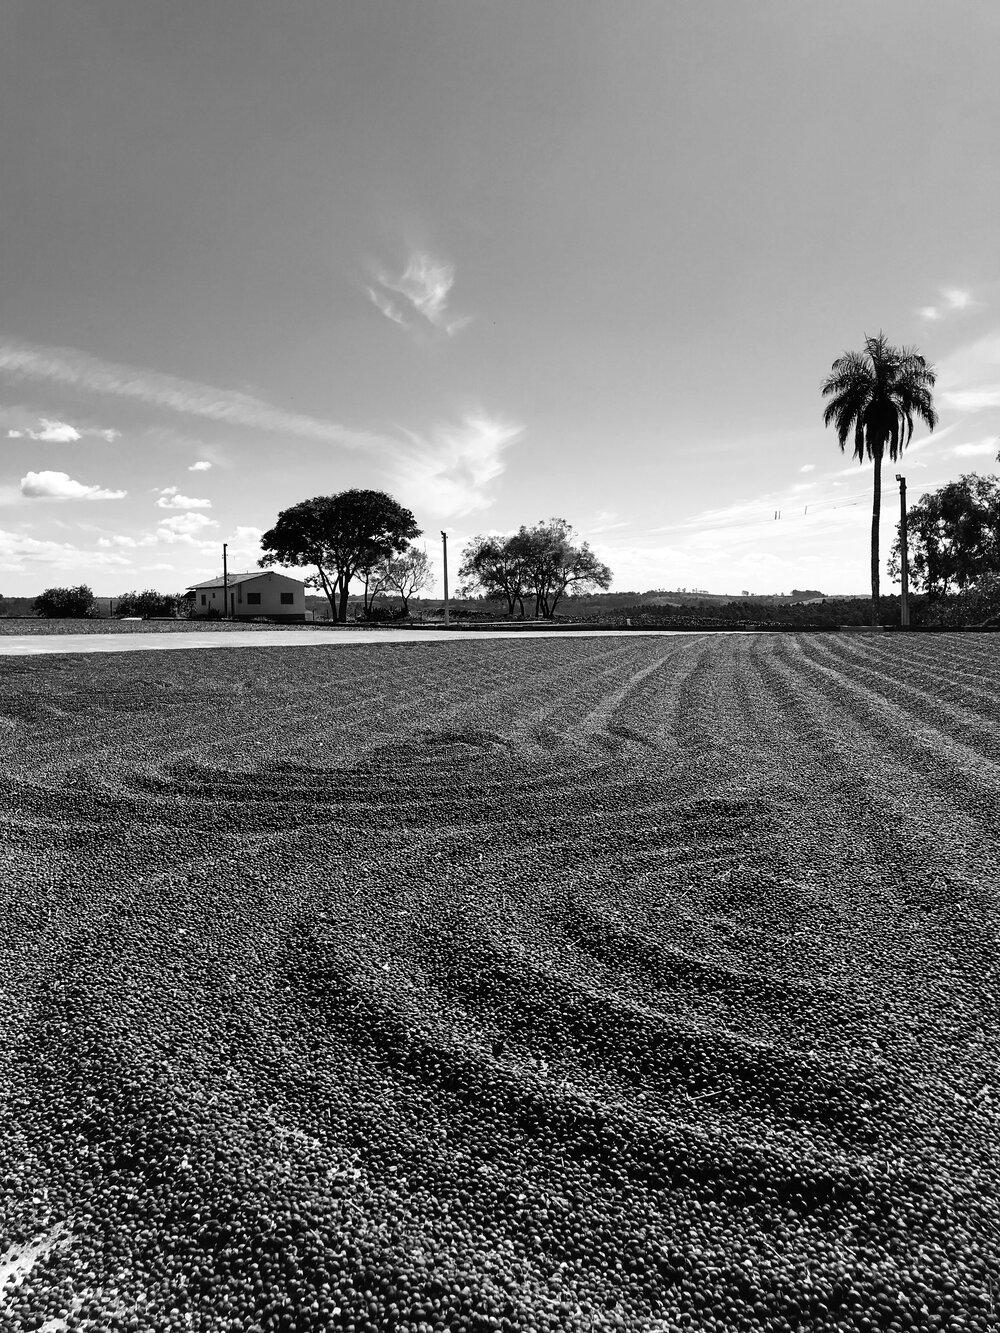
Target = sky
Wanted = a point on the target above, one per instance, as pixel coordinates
(504, 260)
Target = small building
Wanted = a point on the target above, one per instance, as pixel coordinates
(259, 593)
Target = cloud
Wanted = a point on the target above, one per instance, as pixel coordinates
(249, 534)
(73, 369)
(124, 541)
(201, 466)
(978, 449)
(422, 290)
(968, 379)
(808, 467)
(25, 425)
(382, 302)
(954, 300)
(971, 400)
(55, 432)
(184, 529)
(20, 553)
(171, 498)
(607, 520)
(449, 472)
(60, 486)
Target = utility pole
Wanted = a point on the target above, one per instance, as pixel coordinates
(225, 584)
(904, 556)
(444, 547)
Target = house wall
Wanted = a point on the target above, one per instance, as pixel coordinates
(267, 588)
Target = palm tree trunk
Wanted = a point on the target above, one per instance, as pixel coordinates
(876, 515)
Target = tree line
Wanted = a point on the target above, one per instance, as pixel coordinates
(367, 536)
(79, 603)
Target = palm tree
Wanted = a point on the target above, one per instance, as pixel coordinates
(876, 394)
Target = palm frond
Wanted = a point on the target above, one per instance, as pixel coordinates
(859, 439)
(876, 394)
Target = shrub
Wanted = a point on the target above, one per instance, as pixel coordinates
(148, 604)
(977, 605)
(65, 603)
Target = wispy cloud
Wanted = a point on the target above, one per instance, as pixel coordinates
(73, 369)
(60, 486)
(201, 466)
(969, 377)
(171, 498)
(978, 449)
(971, 400)
(449, 472)
(953, 300)
(607, 520)
(388, 308)
(808, 467)
(418, 295)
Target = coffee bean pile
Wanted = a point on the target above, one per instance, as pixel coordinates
(558, 984)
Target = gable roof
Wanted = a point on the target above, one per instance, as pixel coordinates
(241, 578)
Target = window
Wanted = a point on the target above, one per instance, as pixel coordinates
(287, 599)
(204, 600)
(253, 599)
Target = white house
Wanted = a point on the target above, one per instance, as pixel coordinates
(259, 593)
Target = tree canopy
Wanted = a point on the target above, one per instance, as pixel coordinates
(65, 603)
(953, 536)
(148, 603)
(874, 397)
(490, 567)
(407, 573)
(342, 536)
(544, 561)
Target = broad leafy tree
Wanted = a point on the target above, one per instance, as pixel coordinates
(407, 574)
(65, 603)
(491, 568)
(953, 536)
(874, 397)
(544, 561)
(557, 562)
(341, 536)
(404, 574)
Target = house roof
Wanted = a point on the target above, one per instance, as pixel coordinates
(239, 578)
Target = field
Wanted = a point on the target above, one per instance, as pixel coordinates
(644, 984)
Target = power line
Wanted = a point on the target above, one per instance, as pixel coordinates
(811, 507)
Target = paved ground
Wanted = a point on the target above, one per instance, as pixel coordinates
(24, 645)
